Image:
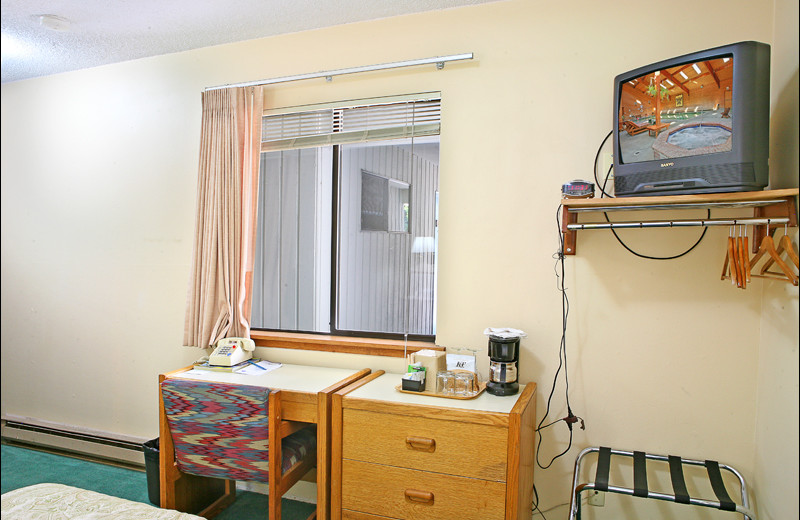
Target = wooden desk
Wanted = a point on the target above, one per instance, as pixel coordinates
(405, 456)
(655, 129)
(306, 396)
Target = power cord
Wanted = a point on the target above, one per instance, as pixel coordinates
(596, 159)
(605, 214)
(571, 418)
(535, 506)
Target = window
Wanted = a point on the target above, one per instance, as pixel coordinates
(347, 223)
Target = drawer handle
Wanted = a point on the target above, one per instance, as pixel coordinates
(423, 497)
(421, 443)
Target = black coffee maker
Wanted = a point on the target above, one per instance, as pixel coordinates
(503, 365)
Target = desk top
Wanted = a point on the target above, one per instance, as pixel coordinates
(384, 388)
(294, 378)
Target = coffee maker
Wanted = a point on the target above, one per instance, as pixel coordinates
(503, 365)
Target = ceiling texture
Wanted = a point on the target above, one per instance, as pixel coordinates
(44, 37)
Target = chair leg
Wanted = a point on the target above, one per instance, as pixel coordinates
(275, 455)
(274, 506)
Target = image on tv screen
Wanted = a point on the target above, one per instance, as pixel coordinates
(680, 111)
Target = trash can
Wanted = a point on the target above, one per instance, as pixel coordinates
(151, 466)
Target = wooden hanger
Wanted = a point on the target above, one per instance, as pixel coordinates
(768, 248)
(731, 268)
(741, 252)
(784, 246)
(746, 253)
(730, 262)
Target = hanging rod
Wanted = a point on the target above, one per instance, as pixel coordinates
(328, 75)
(681, 223)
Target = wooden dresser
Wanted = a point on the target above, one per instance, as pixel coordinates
(404, 456)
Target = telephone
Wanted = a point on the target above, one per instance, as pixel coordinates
(232, 351)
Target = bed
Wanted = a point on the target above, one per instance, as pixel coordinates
(60, 502)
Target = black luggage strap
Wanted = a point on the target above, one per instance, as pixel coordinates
(678, 482)
(603, 466)
(725, 502)
(639, 474)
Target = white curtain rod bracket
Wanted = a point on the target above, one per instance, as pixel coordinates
(439, 61)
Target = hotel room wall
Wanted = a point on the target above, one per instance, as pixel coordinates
(98, 194)
(776, 473)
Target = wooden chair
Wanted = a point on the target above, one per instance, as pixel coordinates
(726, 112)
(221, 433)
(634, 129)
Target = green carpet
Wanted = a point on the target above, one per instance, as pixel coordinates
(24, 467)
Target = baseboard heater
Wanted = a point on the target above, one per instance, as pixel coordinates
(61, 438)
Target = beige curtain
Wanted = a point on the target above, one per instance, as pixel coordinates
(220, 285)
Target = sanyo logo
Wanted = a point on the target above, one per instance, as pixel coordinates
(666, 164)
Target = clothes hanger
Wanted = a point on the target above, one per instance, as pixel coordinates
(746, 254)
(741, 252)
(730, 260)
(768, 248)
(784, 246)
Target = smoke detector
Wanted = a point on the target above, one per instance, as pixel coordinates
(54, 22)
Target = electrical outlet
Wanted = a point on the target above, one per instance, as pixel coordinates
(597, 498)
(605, 163)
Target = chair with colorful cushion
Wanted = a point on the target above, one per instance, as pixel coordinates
(222, 433)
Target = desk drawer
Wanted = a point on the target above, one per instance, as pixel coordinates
(419, 495)
(455, 448)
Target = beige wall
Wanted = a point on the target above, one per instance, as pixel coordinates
(98, 194)
(777, 404)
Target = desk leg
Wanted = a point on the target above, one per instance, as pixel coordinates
(324, 433)
(323, 456)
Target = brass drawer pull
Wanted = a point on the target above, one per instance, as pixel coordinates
(423, 497)
(421, 443)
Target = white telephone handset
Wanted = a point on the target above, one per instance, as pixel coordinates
(231, 351)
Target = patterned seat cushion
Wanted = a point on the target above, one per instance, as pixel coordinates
(222, 430)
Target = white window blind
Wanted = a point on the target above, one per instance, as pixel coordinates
(351, 124)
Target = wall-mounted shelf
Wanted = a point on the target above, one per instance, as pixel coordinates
(768, 210)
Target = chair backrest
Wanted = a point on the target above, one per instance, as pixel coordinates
(219, 430)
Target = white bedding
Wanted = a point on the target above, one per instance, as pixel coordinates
(60, 502)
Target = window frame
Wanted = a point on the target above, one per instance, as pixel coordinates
(338, 340)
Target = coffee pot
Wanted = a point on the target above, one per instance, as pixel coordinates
(503, 365)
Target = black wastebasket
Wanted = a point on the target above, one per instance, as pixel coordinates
(151, 466)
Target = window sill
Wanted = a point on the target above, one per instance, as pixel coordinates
(339, 344)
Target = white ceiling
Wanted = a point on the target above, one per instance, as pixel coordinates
(89, 33)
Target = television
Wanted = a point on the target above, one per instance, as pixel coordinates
(697, 123)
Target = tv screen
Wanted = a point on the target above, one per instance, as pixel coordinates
(697, 123)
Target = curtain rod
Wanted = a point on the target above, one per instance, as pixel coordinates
(328, 75)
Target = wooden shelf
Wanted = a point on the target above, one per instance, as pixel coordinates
(769, 210)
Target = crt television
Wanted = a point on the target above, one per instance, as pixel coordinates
(697, 123)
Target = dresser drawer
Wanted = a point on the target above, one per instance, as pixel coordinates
(355, 515)
(419, 495)
(454, 448)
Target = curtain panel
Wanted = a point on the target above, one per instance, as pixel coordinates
(220, 285)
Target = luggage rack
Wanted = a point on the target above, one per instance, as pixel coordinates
(681, 495)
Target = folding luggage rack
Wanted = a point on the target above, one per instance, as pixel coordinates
(681, 495)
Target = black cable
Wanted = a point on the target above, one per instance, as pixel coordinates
(536, 503)
(570, 419)
(648, 257)
(596, 158)
(603, 193)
